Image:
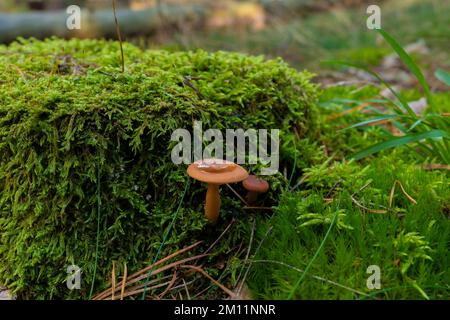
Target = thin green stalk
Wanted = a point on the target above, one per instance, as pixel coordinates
(295, 163)
(312, 276)
(98, 230)
(299, 281)
(164, 240)
(403, 287)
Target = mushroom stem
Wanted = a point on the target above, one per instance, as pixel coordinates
(254, 186)
(215, 172)
(251, 197)
(212, 205)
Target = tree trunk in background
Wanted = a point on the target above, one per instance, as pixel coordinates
(99, 23)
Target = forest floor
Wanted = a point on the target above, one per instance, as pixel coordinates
(340, 217)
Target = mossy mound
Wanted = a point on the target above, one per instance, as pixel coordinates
(70, 118)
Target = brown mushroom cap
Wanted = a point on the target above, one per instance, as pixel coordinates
(217, 171)
(252, 183)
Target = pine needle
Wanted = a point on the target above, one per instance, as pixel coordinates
(124, 280)
(203, 272)
(391, 195)
(113, 279)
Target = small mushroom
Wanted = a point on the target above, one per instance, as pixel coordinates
(254, 186)
(215, 172)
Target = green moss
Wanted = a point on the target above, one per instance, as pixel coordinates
(409, 242)
(67, 115)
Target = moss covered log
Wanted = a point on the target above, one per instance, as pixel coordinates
(77, 135)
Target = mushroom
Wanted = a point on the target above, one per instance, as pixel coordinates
(215, 172)
(254, 186)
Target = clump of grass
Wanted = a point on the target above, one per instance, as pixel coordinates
(427, 134)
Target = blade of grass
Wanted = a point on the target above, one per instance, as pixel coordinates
(299, 281)
(374, 293)
(399, 141)
(403, 103)
(400, 126)
(440, 151)
(313, 276)
(370, 121)
(119, 35)
(415, 124)
(408, 61)
(443, 75)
